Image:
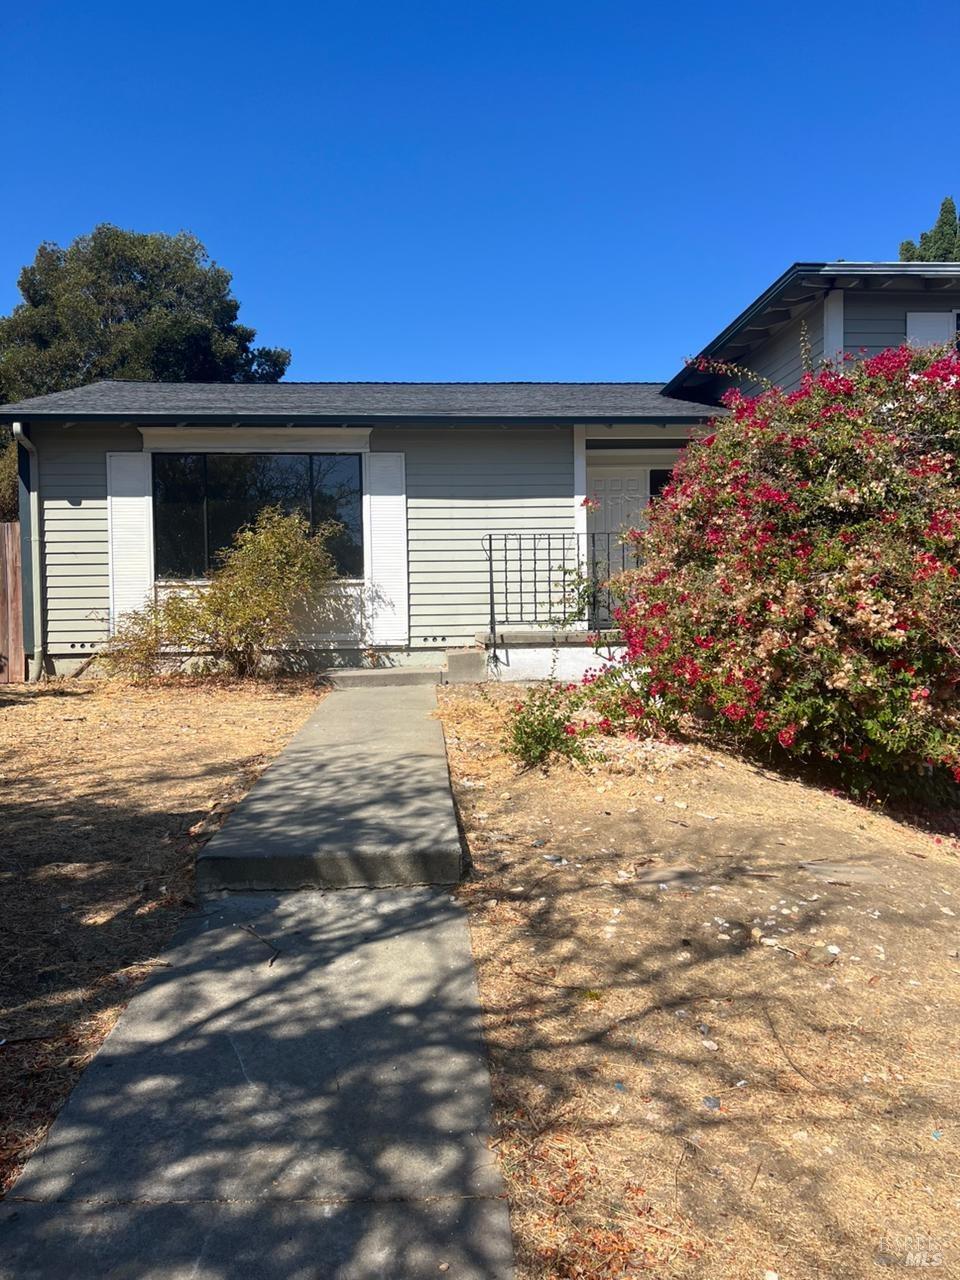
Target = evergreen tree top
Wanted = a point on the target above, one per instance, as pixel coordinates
(127, 304)
(941, 243)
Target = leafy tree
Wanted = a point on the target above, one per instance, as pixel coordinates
(125, 304)
(8, 477)
(941, 243)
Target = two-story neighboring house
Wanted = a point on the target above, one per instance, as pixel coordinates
(836, 308)
(471, 512)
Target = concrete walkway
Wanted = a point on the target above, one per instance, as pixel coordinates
(361, 796)
(303, 1093)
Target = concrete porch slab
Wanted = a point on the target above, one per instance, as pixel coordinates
(361, 796)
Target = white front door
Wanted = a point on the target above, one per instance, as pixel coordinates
(620, 494)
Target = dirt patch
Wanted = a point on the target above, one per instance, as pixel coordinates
(722, 1012)
(106, 792)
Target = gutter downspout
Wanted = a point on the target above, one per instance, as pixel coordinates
(36, 658)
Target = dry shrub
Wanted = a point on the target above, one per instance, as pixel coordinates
(274, 573)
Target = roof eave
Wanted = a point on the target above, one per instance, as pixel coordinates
(828, 275)
(338, 420)
(677, 386)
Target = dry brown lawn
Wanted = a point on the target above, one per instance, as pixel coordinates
(106, 792)
(722, 1012)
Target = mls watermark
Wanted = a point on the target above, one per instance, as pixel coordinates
(914, 1249)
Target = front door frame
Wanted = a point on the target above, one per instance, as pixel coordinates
(645, 460)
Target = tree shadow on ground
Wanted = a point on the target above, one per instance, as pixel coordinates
(924, 800)
(303, 1091)
(669, 1082)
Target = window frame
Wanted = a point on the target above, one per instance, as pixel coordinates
(650, 470)
(954, 311)
(301, 449)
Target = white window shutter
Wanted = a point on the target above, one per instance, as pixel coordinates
(386, 568)
(931, 328)
(130, 524)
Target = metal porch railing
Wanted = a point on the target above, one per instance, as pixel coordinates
(553, 579)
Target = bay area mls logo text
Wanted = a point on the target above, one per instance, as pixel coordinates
(912, 1249)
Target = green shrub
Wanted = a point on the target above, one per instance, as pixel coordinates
(540, 726)
(567, 719)
(267, 585)
(799, 581)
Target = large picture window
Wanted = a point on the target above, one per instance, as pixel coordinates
(201, 500)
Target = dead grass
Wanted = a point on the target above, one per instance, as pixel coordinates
(722, 1014)
(106, 792)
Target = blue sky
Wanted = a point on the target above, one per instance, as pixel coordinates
(481, 189)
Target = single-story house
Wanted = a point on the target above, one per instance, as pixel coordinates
(471, 512)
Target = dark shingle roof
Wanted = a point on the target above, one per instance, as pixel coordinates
(358, 401)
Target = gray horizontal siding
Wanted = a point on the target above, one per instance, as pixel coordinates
(73, 505)
(873, 321)
(780, 358)
(463, 483)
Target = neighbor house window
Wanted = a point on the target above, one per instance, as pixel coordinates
(201, 500)
(659, 479)
(932, 328)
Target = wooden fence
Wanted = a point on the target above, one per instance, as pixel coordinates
(12, 669)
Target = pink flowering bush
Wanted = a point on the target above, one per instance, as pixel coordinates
(561, 719)
(540, 726)
(799, 580)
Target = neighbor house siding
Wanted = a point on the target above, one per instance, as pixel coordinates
(873, 321)
(73, 514)
(462, 483)
(780, 359)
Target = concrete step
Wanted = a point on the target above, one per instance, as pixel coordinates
(360, 797)
(466, 666)
(383, 677)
